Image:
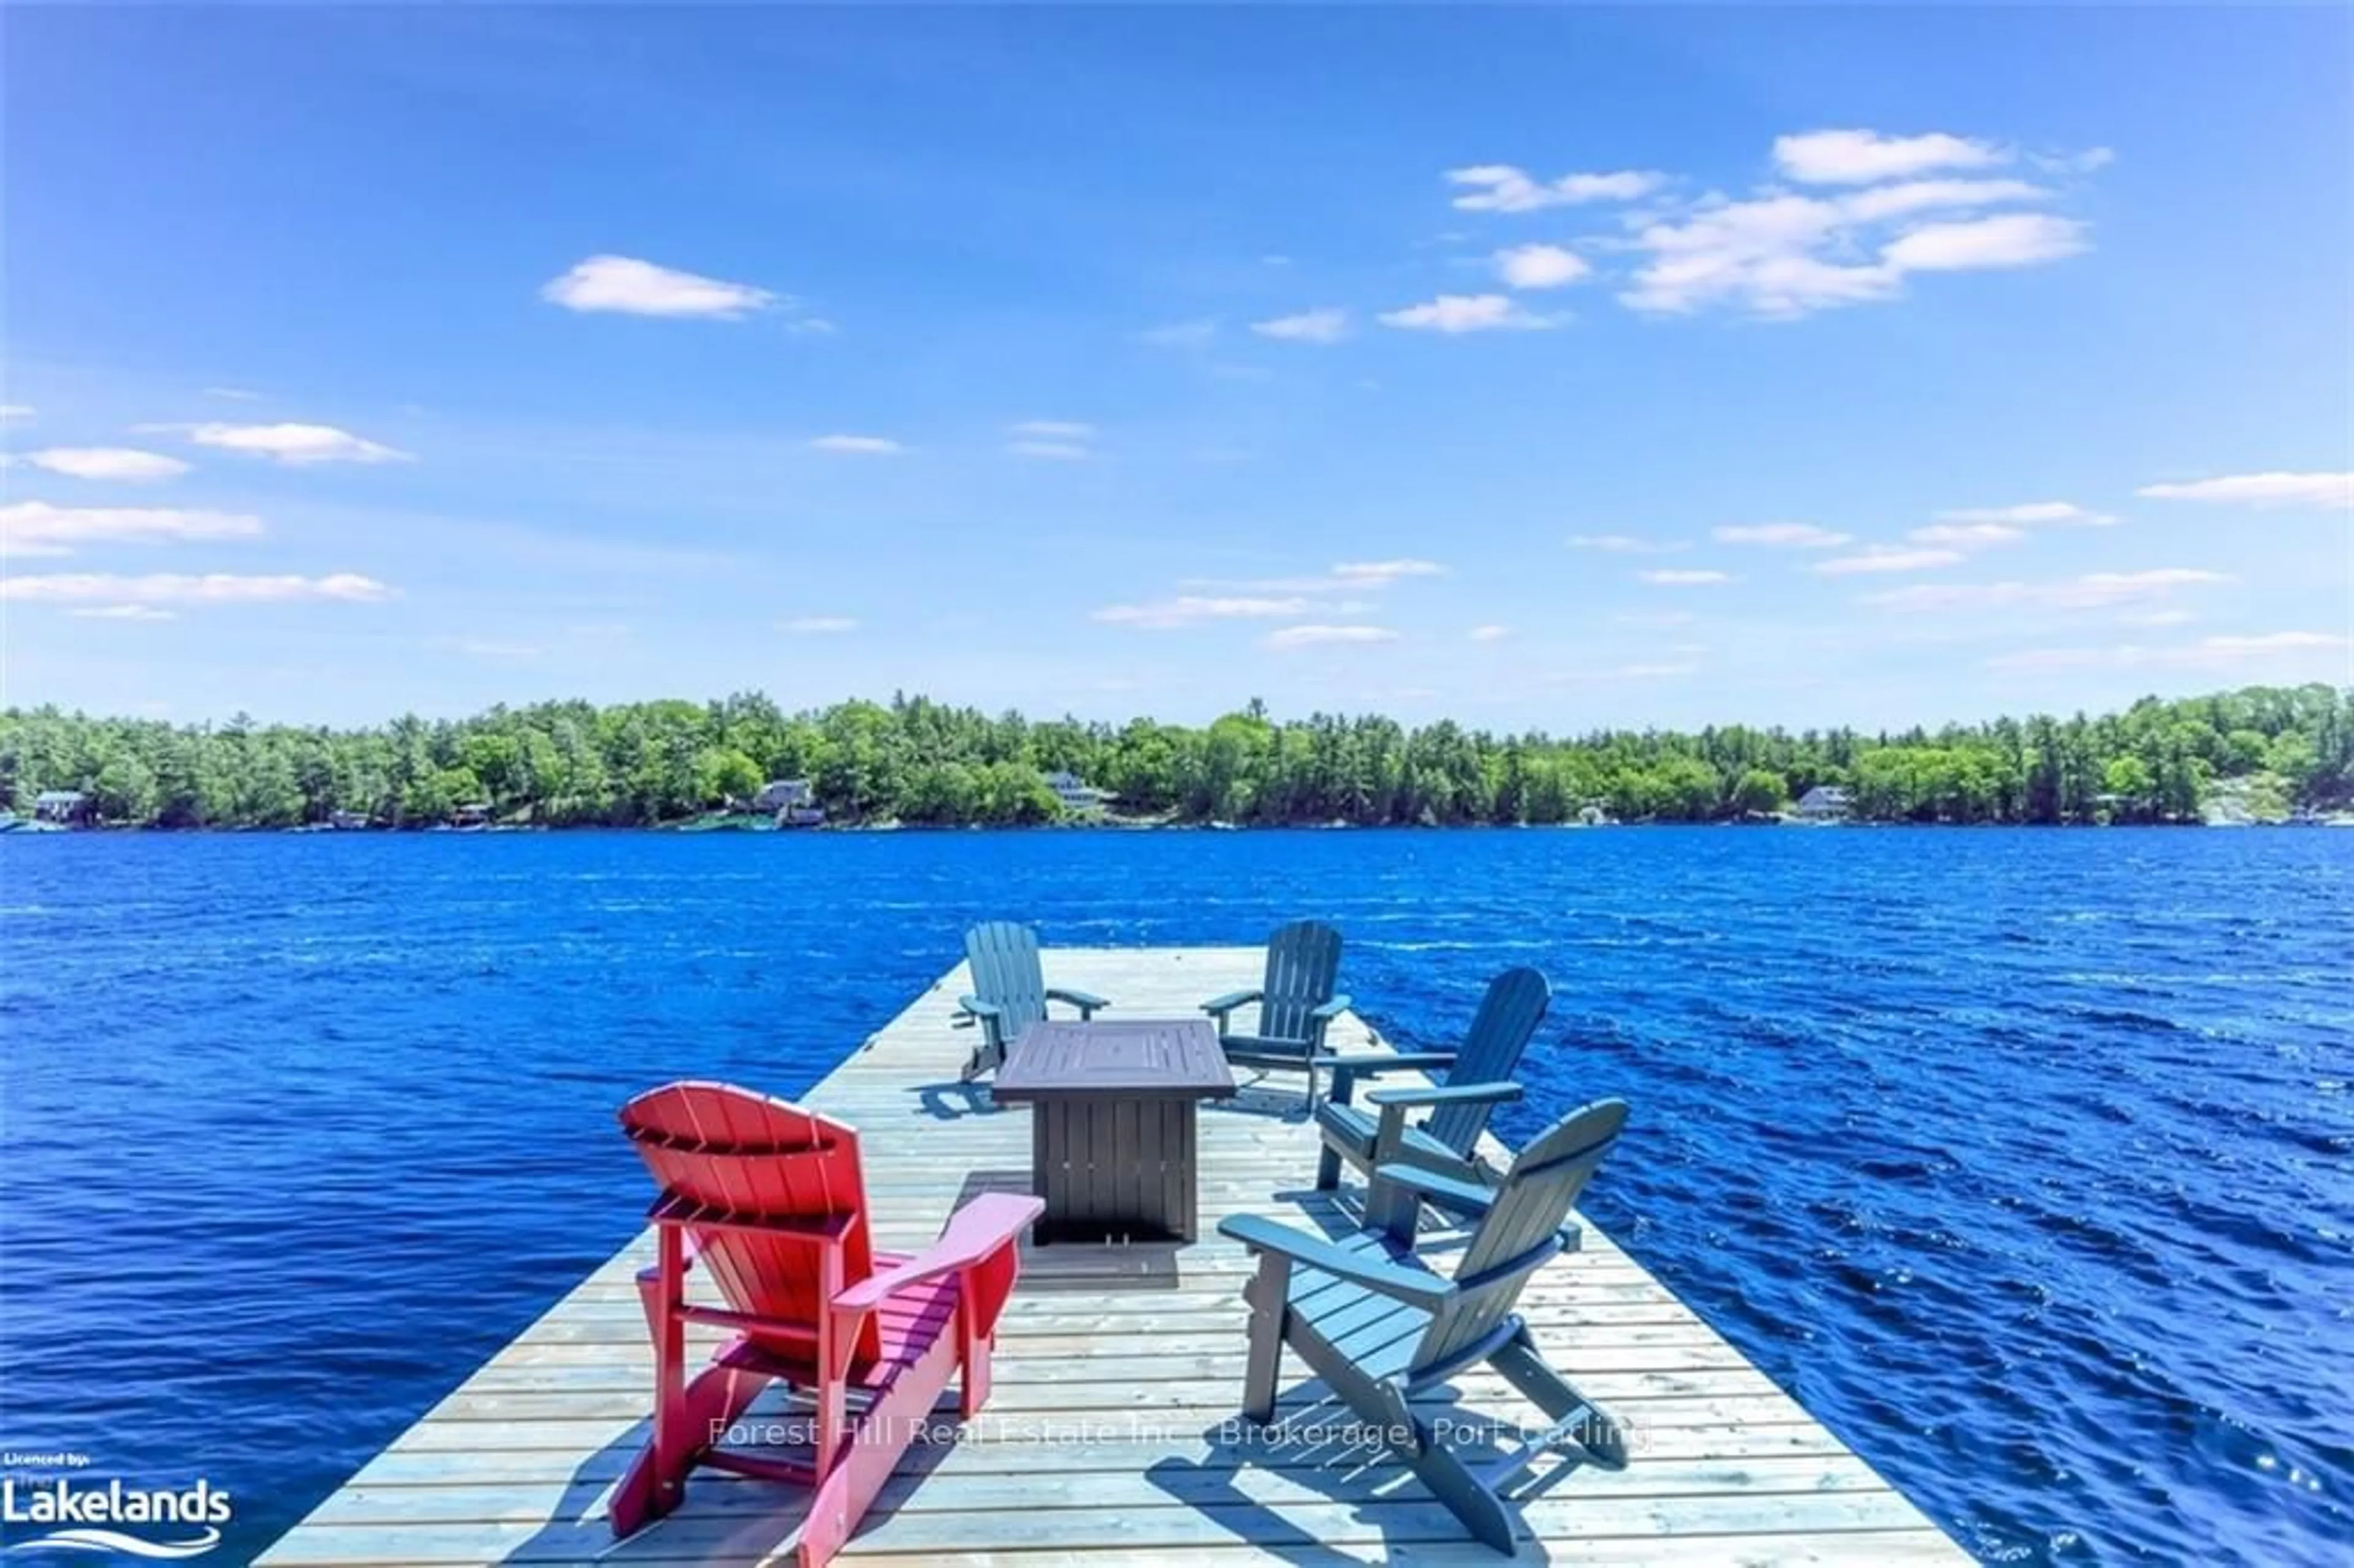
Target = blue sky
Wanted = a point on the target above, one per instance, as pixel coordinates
(1560, 368)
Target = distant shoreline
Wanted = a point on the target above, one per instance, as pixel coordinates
(688, 827)
(743, 763)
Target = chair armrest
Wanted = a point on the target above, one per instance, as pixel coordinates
(1319, 1018)
(990, 1222)
(1448, 1094)
(1085, 1002)
(1231, 1001)
(1416, 1287)
(978, 1008)
(1446, 1189)
(688, 1252)
(1347, 1070)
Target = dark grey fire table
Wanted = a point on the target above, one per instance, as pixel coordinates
(1112, 1135)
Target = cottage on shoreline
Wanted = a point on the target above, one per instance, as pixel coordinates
(1825, 803)
(1075, 795)
(66, 807)
(791, 801)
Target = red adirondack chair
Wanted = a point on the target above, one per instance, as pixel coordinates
(770, 1200)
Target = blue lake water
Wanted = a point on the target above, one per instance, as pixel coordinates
(2021, 1158)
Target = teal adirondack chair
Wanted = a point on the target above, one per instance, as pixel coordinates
(1296, 1004)
(1009, 992)
(1381, 1329)
(1479, 1078)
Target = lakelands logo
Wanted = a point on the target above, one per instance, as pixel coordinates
(85, 1516)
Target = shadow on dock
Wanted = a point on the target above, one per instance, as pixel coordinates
(1312, 1448)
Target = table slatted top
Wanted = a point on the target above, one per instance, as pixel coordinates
(1176, 1058)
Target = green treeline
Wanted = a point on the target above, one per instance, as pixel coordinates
(918, 761)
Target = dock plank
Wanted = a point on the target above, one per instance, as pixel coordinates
(1112, 1430)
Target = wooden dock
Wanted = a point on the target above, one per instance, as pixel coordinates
(1118, 1373)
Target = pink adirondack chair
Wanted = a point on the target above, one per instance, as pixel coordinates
(769, 1200)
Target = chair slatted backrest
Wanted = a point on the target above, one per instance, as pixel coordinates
(1303, 970)
(1508, 1014)
(1521, 1230)
(1005, 969)
(741, 1162)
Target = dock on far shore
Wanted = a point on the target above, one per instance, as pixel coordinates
(1113, 1432)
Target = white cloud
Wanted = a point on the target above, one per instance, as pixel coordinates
(1540, 266)
(233, 394)
(1886, 558)
(215, 588)
(122, 464)
(857, 446)
(2095, 590)
(1764, 255)
(1312, 636)
(2329, 490)
(1863, 157)
(636, 288)
(1685, 579)
(1347, 576)
(1500, 187)
(1372, 573)
(1186, 609)
(1468, 312)
(819, 625)
(1781, 535)
(293, 444)
(2005, 239)
(2156, 617)
(38, 528)
(123, 612)
(15, 413)
(1621, 544)
(1966, 535)
(2092, 160)
(1325, 324)
(1784, 254)
(1489, 633)
(2209, 652)
(2030, 514)
(1883, 202)
(1973, 527)
(1053, 440)
(1180, 334)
